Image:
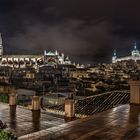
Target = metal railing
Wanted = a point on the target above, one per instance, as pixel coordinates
(92, 104)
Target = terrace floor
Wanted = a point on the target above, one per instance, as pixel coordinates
(22, 121)
(120, 123)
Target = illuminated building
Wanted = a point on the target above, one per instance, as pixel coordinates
(135, 55)
(21, 61)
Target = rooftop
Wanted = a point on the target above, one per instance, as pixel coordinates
(21, 56)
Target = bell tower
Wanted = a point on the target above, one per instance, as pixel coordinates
(135, 52)
(1, 47)
(114, 57)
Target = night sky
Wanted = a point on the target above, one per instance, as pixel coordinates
(85, 30)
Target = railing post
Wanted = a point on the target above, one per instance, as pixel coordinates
(12, 99)
(69, 108)
(134, 92)
(35, 103)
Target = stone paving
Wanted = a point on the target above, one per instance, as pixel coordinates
(22, 121)
(120, 123)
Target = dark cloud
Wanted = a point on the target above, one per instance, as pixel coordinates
(87, 31)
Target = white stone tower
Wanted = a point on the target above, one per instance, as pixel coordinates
(114, 57)
(1, 46)
(135, 52)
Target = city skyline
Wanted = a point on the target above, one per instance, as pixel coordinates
(87, 31)
(69, 69)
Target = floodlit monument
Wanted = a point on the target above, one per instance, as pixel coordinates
(49, 58)
(135, 55)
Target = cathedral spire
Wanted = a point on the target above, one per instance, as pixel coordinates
(135, 45)
(135, 52)
(114, 53)
(1, 46)
(0, 40)
(114, 57)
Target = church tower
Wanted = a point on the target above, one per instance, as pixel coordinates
(114, 57)
(1, 46)
(135, 52)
